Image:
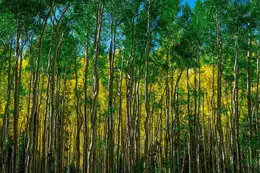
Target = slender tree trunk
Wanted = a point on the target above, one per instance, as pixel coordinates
(28, 117)
(195, 152)
(235, 119)
(110, 99)
(85, 146)
(147, 101)
(257, 112)
(16, 100)
(1, 144)
(59, 116)
(62, 111)
(205, 138)
(249, 103)
(212, 124)
(92, 146)
(177, 119)
(138, 128)
(130, 121)
(199, 163)
(44, 154)
(167, 99)
(52, 106)
(78, 121)
(189, 123)
(221, 154)
(118, 156)
(46, 112)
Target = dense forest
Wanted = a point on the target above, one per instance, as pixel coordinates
(129, 86)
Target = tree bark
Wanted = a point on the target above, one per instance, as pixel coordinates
(110, 98)
(77, 144)
(177, 119)
(16, 99)
(92, 146)
(147, 101)
(235, 119)
(85, 146)
(120, 126)
(221, 154)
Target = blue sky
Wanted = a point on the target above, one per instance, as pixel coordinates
(192, 2)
